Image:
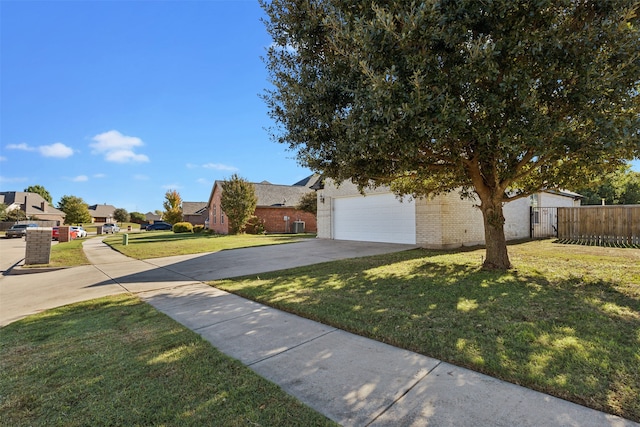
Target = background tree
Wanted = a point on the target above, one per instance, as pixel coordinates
(3, 211)
(137, 217)
(121, 215)
(495, 99)
(621, 187)
(16, 215)
(309, 203)
(39, 189)
(75, 209)
(172, 207)
(238, 201)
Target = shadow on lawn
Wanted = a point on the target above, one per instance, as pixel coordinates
(574, 337)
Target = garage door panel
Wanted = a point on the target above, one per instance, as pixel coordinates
(374, 218)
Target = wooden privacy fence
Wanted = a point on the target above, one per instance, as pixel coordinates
(600, 225)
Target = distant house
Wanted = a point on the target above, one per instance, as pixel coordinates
(276, 207)
(194, 212)
(151, 217)
(33, 205)
(101, 213)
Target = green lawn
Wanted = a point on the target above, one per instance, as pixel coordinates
(118, 361)
(67, 254)
(156, 244)
(565, 321)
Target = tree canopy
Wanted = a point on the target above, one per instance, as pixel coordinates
(308, 203)
(621, 187)
(75, 209)
(39, 189)
(121, 215)
(172, 207)
(495, 99)
(137, 217)
(238, 201)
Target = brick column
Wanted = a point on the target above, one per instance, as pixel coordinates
(64, 235)
(38, 246)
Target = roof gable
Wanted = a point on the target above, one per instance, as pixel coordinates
(193, 208)
(101, 211)
(30, 203)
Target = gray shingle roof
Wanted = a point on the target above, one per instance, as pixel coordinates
(279, 195)
(193, 208)
(31, 203)
(101, 211)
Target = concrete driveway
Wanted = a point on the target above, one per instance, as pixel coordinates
(113, 273)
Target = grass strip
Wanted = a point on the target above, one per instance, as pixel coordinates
(118, 361)
(159, 244)
(67, 254)
(566, 321)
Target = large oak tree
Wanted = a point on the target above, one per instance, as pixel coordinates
(495, 99)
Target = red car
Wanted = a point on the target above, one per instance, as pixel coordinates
(55, 233)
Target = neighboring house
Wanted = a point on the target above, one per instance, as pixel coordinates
(101, 213)
(444, 221)
(194, 212)
(32, 204)
(151, 217)
(276, 207)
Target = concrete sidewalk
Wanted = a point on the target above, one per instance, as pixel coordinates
(352, 380)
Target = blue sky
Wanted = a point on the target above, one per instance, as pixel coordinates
(118, 101)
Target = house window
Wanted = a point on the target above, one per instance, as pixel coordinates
(214, 214)
(535, 203)
(221, 217)
(535, 200)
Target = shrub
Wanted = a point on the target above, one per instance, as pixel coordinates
(182, 227)
(255, 225)
(198, 228)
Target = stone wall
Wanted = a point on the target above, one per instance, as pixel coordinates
(38, 249)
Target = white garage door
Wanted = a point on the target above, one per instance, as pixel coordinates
(374, 218)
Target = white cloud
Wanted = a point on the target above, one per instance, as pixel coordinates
(57, 149)
(204, 181)
(141, 177)
(219, 167)
(80, 178)
(4, 179)
(215, 166)
(117, 147)
(22, 146)
(289, 48)
(171, 186)
(99, 175)
(3, 159)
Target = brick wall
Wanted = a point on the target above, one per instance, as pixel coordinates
(217, 220)
(273, 217)
(64, 234)
(38, 249)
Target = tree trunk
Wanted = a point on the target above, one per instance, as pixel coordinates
(497, 257)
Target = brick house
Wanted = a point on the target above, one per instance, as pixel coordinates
(441, 222)
(101, 213)
(33, 205)
(194, 212)
(276, 207)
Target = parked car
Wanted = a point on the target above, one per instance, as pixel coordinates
(55, 233)
(80, 231)
(159, 226)
(110, 228)
(18, 230)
